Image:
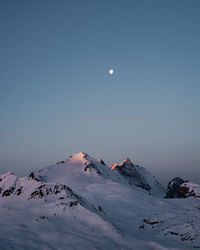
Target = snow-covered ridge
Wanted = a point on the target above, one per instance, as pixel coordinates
(82, 168)
(125, 173)
(81, 203)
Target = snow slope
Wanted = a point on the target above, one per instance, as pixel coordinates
(88, 171)
(81, 203)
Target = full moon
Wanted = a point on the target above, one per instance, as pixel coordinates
(111, 71)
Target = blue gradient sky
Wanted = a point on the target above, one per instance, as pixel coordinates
(57, 98)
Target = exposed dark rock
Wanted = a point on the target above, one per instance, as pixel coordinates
(141, 227)
(183, 192)
(49, 189)
(8, 192)
(73, 203)
(147, 221)
(37, 194)
(102, 162)
(100, 208)
(91, 166)
(19, 190)
(43, 217)
(60, 162)
(86, 168)
(173, 188)
(32, 176)
(174, 233)
(70, 157)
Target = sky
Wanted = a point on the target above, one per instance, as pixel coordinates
(57, 98)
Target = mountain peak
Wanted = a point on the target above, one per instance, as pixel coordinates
(126, 162)
(79, 157)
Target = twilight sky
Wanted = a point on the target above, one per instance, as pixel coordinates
(57, 98)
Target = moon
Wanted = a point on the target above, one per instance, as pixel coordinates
(111, 71)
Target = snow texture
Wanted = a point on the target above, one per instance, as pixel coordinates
(81, 203)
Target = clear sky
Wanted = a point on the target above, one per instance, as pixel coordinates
(57, 98)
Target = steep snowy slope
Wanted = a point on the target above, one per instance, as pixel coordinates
(138, 176)
(87, 171)
(34, 210)
(81, 203)
(79, 168)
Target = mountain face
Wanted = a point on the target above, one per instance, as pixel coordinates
(81, 203)
(129, 171)
(27, 188)
(138, 176)
(90, 171)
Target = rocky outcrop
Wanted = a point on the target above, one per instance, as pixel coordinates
(60, 162)
(49, 189)
(178, 188)
(188, 189)
(8, 182)
(32, 176)
(173, 187)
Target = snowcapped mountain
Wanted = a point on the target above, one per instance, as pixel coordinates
(81, 203)
(89, 171)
